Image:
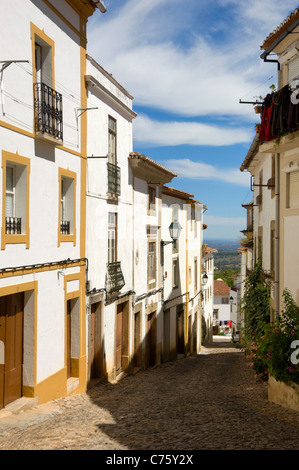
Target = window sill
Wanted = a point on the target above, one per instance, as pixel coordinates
(8, 239)
(66, 238)
(48, 138)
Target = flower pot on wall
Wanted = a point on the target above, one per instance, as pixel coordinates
(258, 109)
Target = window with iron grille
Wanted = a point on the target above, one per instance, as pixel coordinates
(112, 140)
(112, 237)
(113, 179)
(67, 203)
(48, 102)
(15, 198)
(151, 262)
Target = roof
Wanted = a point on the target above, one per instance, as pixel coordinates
(141, 156)
(177, 193)
(280, 29)
(251, 153)
(208, 249)
(221, 288)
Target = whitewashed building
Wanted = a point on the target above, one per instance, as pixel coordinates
(109, 223)
(182, 273)
(43, 176)
(208, 293)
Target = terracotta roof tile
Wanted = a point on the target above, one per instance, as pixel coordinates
(280, 29)
(221, 288)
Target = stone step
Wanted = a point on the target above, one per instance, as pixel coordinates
(18, 406)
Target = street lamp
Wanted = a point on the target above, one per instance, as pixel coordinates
(175, 232)
(204, 279)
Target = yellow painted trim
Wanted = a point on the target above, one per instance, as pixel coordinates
(83, 143)
(19, 130)
(35, 31)
(63, 18)
(23, 272)
(49, 389)
(15, 289)
(7, 238)
(72, 175)
(68, 296)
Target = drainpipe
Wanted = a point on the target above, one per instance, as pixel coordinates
(276, 244)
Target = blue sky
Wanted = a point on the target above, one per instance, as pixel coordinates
(187, 64)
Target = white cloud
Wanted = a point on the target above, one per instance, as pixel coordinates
(187, 168)
(202, 76)
(158, 133)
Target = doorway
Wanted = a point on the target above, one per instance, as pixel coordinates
(180, 331)
(151, 339)
(11, 335)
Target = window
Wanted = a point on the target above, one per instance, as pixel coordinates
(112, 237)
(293, 189)
(47, 101)
(175, 218)
(111, 140)
(151, 199)
(260, 243)
(15, 209)
(224, 300)
(272, 246)
(67, 206)
(260, 190)
(151, 263)
(195, 276)
(175, 273)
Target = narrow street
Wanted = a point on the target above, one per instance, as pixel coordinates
(209, 401)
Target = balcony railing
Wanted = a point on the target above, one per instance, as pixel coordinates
(114, 279)
(13, 225)
(65, 227)
(113, 179)
(48, 111)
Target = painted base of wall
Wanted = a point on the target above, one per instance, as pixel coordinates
(282, 394)
(58, 386)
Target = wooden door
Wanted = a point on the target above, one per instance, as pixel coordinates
(137, 336)
(119, 336)
(166, 336)
(151, 339)
(11, 334)
(190, 334)
(180, 332)
(195, 334)
(69, 338)
(92, 340)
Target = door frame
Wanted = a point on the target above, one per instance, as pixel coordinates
(30, 311)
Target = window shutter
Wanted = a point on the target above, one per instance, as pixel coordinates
(293, 69)
(294, 189)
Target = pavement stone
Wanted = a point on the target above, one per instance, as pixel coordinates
(209, 401)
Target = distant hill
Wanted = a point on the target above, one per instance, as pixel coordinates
(222, 244)
(228, 257)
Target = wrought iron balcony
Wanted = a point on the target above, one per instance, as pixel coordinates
(114, 278)
(13, 225)
(48, 111)
(113, 179)
(65, 227)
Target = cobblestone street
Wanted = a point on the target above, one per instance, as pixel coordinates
(209, 401)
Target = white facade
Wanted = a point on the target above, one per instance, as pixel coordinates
(42, 211)
(109, 219)
(208, 294)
